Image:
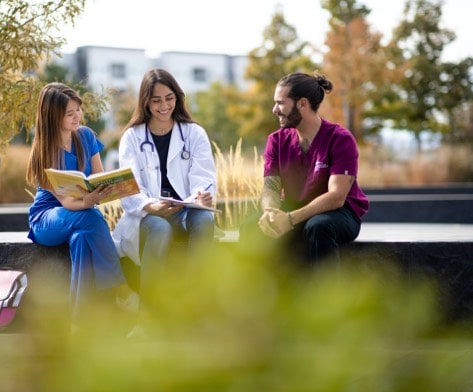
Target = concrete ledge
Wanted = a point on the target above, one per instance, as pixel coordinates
(14, 217)
(26, 255)
(442, 253)
(449, 265)
(376, 232)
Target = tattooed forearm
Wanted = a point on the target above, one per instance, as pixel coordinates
(271, 196)
(273, 183)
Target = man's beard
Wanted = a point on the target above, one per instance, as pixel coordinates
(293, 119)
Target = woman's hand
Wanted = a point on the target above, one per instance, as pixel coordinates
(90, 199)
(204, 198)
(162, 208)
(87, 199)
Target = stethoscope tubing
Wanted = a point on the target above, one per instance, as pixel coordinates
(185, 154)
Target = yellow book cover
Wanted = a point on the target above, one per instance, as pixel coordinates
(65, 182)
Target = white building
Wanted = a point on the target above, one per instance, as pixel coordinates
(106, 67)
(123, 68)
(197, 71)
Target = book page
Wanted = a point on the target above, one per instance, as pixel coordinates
(65, 182)
(111, 174)
(122, 181)
(188, 204)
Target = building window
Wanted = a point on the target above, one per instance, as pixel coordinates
(118, 71)
(199, 74)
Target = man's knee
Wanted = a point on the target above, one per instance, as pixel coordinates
(319, 225)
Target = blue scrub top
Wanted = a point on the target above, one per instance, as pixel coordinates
(44, 200)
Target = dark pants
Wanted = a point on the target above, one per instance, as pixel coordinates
(319, 238)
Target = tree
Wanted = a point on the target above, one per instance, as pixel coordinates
(355, 63)
(456, 97)
(54, 72)
(428, 91)
(280, 53)
(27, 30)
(214, 110)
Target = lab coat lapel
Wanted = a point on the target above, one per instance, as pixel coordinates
(176, 145)
(149, 161)
(178, 168)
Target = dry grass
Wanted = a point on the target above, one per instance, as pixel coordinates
(240, 176)
(12, 175)
(379, 169)
(240, 181)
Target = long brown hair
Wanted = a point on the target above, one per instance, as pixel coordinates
(47, 150)
(142, 115)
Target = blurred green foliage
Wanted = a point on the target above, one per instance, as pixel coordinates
(223, 322)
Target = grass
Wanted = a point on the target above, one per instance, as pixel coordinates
(12, 175)
(240, 180)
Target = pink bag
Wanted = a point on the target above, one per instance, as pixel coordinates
(12, 286)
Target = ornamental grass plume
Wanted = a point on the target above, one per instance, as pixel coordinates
(240, 182)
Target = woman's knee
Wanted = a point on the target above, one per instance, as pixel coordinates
(155, 225)
(91, 218)
(200, 219)
(156, 234)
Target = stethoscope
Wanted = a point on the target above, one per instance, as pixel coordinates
(185, 154)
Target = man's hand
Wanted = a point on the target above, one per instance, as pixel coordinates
(274, 222)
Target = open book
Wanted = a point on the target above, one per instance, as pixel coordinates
(121, 180)
(188, 204)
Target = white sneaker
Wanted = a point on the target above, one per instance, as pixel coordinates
(130, 304)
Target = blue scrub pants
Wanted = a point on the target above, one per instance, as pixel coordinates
(95, 261)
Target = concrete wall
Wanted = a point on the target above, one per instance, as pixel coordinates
(435, 204)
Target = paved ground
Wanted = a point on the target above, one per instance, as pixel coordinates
(383, 232)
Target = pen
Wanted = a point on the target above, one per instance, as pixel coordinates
(207, 187)
(193, 197)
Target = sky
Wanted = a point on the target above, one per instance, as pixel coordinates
(233, 27)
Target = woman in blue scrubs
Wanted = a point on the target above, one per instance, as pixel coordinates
(61, 142)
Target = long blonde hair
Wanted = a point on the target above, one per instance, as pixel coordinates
(47, 150)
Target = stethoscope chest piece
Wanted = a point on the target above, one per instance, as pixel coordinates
(185, 155)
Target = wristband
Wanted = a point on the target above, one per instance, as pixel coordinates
(289, 218)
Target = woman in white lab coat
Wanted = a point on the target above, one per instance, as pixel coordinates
(170, 155)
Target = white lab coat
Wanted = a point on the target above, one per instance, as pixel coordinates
(185, 176)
